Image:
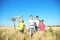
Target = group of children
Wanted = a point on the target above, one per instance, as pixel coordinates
(37, 25)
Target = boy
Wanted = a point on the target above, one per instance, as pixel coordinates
(31, 25)
(37, 23)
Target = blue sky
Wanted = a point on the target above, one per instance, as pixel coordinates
(49, 10)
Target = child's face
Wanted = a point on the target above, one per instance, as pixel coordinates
(37, 18)
(41, 22)
(31, 17)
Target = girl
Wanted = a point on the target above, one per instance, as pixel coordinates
(41, 25)
(42, 29)
(21, 25)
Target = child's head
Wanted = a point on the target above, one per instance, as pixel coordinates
(21, 21)
(31, 17)
(37, 17)
(41, 21)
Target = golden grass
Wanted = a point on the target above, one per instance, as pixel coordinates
(14, 34)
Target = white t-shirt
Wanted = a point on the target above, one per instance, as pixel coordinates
(37, 23)
(31, 25)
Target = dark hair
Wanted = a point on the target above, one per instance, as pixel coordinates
(42, 20)
(23, 21)
(30, 15)
(36, 16)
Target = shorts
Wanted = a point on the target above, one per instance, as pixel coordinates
(22, 31)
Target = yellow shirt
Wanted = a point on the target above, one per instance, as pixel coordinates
(21, 26)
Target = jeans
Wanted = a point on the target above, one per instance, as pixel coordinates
(31, 31)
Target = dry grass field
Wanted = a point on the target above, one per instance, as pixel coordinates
(8, 33)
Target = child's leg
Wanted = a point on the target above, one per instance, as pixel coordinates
(42, 35)
(38, 29)
(31, 31)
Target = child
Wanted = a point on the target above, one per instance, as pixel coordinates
(42, 29)
(37, 23)
(21, 25)
(41, 25)
(31, 25)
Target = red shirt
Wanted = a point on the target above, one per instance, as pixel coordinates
(42, 27)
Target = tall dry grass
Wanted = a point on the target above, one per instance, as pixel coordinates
(14, 34)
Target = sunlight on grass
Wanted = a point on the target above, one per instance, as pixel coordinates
(14, 34)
